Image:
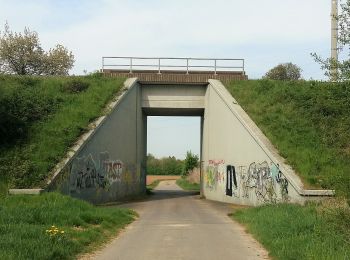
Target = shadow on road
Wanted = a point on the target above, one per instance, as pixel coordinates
(156, 194)
(170, 194)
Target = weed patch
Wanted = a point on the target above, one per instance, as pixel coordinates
(53, 226)
(75, 86)
(300, 232)
(151, 186)
(186, 185)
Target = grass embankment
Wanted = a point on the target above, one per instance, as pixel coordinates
(153, 184)
(41, 117)
(186, 185)
(309, 124)
(25, 219)
(296, 232)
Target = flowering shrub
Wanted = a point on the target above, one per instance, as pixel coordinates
(55, 232)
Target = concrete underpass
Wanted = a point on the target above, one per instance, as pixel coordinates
(238, 163)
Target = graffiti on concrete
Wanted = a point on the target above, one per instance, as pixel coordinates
(263, 181)
(86, 174)
(231, 181)
(259, 178)
(215, 174)
(112, 168)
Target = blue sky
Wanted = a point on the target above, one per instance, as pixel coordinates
(173, 136)
(264, 32)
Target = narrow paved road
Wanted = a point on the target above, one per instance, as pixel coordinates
(175, 224)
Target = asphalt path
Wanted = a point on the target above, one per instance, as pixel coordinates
(175, 224)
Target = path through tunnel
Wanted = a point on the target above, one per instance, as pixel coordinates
(169, 140)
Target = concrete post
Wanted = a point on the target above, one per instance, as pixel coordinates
(334, 39)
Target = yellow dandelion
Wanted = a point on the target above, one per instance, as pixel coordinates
(62, 232)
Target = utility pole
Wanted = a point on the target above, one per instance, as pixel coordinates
(334, 39)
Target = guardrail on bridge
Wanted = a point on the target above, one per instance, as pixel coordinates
(174, 69)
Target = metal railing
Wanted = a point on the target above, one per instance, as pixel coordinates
(187, 65)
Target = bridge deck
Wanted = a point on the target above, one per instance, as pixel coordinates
(176, 76)
(174, 70)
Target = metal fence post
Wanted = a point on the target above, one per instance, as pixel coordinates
(130, 65)
(159, 66)
(103, 64)
(215, 66)
(187, 66)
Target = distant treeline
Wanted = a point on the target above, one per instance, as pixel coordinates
(164, 166)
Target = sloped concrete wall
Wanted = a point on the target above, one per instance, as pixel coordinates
(110, 165)
(238, 165)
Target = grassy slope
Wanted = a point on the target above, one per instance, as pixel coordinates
(25, 219)
(27, 162)
(296, 232)
(186, 185)
(308, 122)
(153, 185)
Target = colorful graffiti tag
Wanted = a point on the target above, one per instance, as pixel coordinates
(215, 174)
(86, 174)
(266, 182)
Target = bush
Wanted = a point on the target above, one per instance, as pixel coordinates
(191, 162)
(21, 104)
(286, 71)
(75, 86)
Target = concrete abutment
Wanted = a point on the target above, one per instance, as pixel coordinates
(238, 163)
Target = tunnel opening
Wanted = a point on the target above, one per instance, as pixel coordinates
(169, 140)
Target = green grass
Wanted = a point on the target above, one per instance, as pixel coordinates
(3, 188)
(308, 122)
(60, 117)
(150, 187)
(186, 185)
(25, 219)
(300, 232)
(153, 185)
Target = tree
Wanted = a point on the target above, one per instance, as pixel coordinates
(285, 71)
(164, 166)
(191, 162)
(58, 61)
(21, 53)
(342, 67)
